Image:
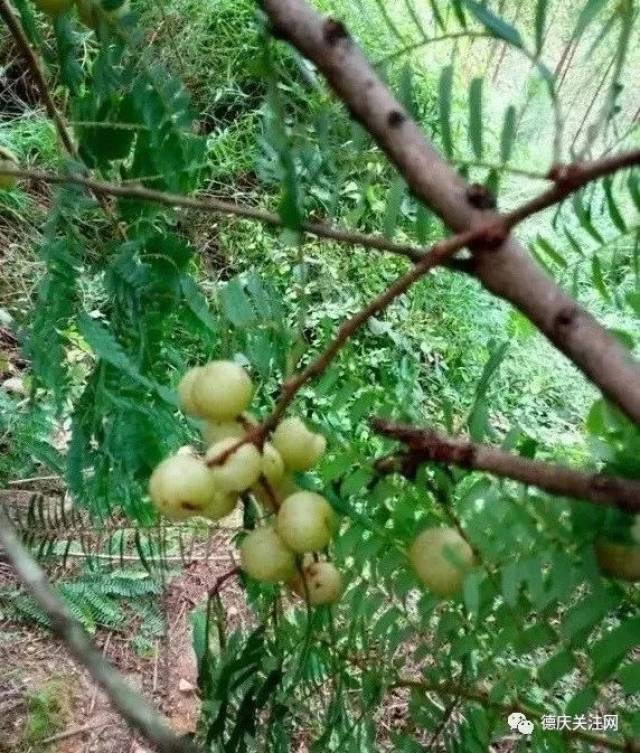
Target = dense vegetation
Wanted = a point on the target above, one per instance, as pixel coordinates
(113, 299)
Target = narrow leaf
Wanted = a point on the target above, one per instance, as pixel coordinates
(395, 196)
(587, 14)
(598, 278)
(508, 134)
(475, 116)
(444, 99)
(541, 17)
(495, 25)
(612, 207)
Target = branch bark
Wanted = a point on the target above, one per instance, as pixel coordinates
(132, 706)
(429, 445)
(509, 271)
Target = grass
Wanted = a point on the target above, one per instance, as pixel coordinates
(47, 710)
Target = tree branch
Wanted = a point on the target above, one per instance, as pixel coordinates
(508, 271)
(429, 445)
(216, 206)
(452, 689)
(132, 706)
(15, 27)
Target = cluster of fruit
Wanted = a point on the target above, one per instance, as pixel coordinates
(185, 484)
(90, 12)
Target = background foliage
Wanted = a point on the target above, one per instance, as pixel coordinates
(112, 308)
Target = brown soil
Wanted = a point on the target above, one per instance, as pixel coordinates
(32, 659)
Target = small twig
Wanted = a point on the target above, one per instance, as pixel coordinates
(484, 698)
(221, 580)
(131, 705)
(75, 731)
(429, 445)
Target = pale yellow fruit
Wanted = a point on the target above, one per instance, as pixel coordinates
(181, 486)
(220, 506)
(323, 583)
(285, 488)
(264, 556)
(272, 464)
(621, 560)
(214, 431)
(7, 160)
(299, 448)
(306, 522)
(240, 470)
(185, 390)
(441, 558)
(222, 390)
(91, 12)
(54, 7)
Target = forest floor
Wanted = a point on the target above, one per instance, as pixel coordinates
(48, 703)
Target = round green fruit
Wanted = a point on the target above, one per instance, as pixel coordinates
(306, 522)
(619, 559)
(239, 470)
(54, 7)
(300, 448)
(264, 556)
(441, 558)
(91, 12)
(319, 583)
(214, 431)
(181, 486)
(7, 160)
(272, 464)
(221, 391)
(220, 506)
(185, 390)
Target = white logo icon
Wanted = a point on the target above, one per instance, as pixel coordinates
(518, 721)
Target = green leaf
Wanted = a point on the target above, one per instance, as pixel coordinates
(556, 667)
(629, 677)
(551, 252)
(444, 99)
(196, 302)
(573, 242)
(475, 116)
(495, 25)
(611, 649)
(106, 347)
(508, 134)
(424, 220)
(598, 278)
(584, 216)
(587, 14)
(235, 304)
(612, 207)
(541, 17)
(633, 184)
(395, 197)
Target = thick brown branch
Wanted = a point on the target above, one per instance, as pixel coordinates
(429, 445)
(508, 271)
(132, 706)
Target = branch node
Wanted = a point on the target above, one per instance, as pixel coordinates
(565, 317)
(480, 197)
(396, 118)
(334, 31)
